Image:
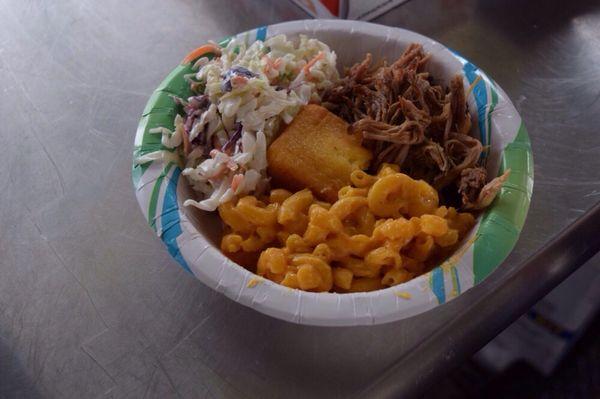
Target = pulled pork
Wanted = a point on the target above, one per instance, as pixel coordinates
(408, 120)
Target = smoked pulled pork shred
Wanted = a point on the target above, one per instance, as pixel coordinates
(408, 120)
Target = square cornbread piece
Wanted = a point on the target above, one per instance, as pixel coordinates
(316, 151)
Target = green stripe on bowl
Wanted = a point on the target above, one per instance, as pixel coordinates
(522, 136)
(175, 84)
(502, 223)
(154, 196)
(519, 161)
(148, 148)
(455, 281)
(152, 141)
(149, 142)
(492, 246)
(518, 157)
(159, 101)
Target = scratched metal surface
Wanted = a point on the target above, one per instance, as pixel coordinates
(91, 305)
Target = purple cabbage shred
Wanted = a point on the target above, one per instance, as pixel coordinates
(235, 71)
(233, 139)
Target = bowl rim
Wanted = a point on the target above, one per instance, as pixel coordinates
(157, 188)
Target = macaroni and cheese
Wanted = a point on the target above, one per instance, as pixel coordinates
(382, 231)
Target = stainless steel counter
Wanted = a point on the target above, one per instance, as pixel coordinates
(92, 305)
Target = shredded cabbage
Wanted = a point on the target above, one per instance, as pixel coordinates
(246, 95)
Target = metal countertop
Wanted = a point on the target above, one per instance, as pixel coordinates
(92, 305)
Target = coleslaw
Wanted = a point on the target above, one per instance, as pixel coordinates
(241, 100)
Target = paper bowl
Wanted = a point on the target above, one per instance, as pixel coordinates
(192, 237)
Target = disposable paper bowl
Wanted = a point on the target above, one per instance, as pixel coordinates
(192, 237)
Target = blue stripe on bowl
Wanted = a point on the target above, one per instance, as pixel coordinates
(261, 33)
(437, 284)
(171, 222)
(480, 94)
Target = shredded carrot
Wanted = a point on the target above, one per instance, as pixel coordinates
(270, 64)
(267, 66)
(312, 62)
(236, 181)
(200, 51)
(239, 81)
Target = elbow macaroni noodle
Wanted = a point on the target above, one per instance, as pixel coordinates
(384, 230)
